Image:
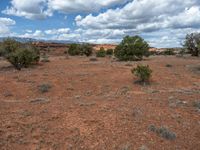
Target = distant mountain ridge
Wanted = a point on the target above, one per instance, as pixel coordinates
(25, 40)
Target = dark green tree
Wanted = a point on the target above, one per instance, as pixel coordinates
(132, 48)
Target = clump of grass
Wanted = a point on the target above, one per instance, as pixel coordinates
(142, 72)
(197, 105)
(168, 65)
(163, 132)
(45, 58)
(44, 88)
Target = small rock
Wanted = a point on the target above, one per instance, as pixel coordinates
(77, 96)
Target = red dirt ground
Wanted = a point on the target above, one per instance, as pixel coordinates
(95, 105)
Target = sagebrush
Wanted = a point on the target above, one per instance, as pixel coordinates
(142, 72)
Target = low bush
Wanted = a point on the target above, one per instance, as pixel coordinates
(86, 49)
(169, 52)
(109, 52)
(142, 72)
(163, 132)
(101, 52)
(44, 88)
(80, 49)
(18, 54)
(197, 104)
(74, 49)
(9, 46)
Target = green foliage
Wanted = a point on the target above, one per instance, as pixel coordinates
(169, 52)
(18, 54)
(109, 52)
(74, 49)
(132, 48)
(9, 46)
(101, 52)
(142, 72)
(80, 49)
(44, 88)
(22, 58)
(86, 49)
(192, 43)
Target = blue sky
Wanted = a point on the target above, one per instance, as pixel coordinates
(162, 23)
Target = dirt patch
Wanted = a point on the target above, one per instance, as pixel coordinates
(96, 105)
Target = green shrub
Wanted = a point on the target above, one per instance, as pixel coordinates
(131, 49)
(109, 52)
(9, 46)
(74, 49)
(101, 52)
(169, 52)
(44, 88)
(197, 104)
(142, 72)
(22, 58)
(18, 54)
(80, 49)
(86, 49)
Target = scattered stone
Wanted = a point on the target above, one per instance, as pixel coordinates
(87, 103)
(77, 97)
(88, 93)
(176, 102)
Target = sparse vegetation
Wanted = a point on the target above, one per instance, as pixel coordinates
(74, 50)
(163, 132)
(18, 54)
(192, 43)
(168, 65)
(45, 58)
(169, 52)
(86, 49)
(101, 52)
(142, 72)
(132, 49)
(80, 49)
(109, 52)
(44, 88)
(197, 104)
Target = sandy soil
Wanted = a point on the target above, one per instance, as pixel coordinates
(95, 105)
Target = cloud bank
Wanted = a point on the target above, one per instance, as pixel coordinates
(162, 23)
